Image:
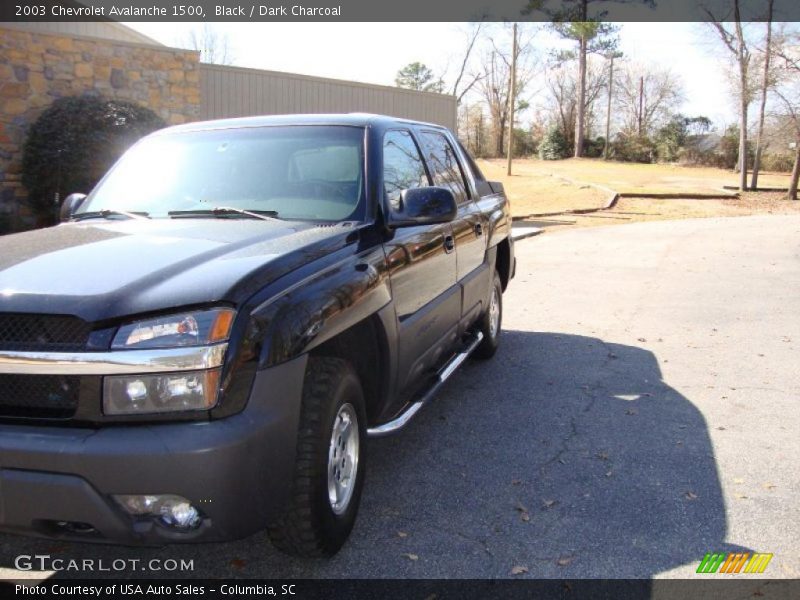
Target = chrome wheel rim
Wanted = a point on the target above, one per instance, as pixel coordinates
(494, 313)
(343, 458)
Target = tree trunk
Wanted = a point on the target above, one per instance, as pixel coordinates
(792, 194)
(764, 86)
(500, 138)
(512, 94)
(742, 58)
(743, 141)
(640, 116)
(581, 116)
(608, 109)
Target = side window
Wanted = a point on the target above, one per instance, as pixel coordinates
(481, 185)
(444, 165)
(402, 166)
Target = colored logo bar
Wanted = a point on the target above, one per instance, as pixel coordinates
(734, 562)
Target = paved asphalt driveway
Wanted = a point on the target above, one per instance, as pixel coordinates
(642, 411)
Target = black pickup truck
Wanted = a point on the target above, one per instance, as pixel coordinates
(202, 347)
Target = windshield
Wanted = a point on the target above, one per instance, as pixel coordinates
(298, 172)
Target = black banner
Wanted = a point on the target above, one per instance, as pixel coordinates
(415, 589)
(391, 11)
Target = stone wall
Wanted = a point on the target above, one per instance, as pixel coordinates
(35, 69)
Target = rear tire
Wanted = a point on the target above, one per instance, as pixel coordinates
(491, 322)
(329, 466)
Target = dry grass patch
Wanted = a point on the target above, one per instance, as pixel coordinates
(629, 178)
(634, 210)
(536, 191)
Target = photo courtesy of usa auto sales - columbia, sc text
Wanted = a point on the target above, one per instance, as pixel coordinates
(124, 589)
(177, 10)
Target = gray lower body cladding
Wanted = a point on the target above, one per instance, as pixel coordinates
(235, 471)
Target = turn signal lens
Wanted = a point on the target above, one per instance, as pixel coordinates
(221, 329)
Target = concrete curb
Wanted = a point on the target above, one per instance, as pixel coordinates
(615, 196)
(527, 232)
(758, 189)
(610, 202)
(677, 196)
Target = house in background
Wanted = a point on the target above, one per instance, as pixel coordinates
(40, 62)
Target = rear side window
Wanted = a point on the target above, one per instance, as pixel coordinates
(444, 165)
(402, 166)
(481, 185)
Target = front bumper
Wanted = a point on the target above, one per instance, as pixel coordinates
(236, 471)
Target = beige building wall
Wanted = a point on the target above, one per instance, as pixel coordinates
(236, 92)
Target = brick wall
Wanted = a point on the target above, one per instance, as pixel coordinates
(35, 69)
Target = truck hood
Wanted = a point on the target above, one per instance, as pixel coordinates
(100, 270)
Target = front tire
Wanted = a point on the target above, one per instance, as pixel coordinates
(491, 322)
(329, 466)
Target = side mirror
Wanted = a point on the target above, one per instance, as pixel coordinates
(70, 204)
(423, 206)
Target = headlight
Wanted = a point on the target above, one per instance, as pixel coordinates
(164, 392)
(168, 392)
(184, 329)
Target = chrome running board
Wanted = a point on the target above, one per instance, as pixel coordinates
(443, 375)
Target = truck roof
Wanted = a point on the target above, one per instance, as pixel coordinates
(351, 119)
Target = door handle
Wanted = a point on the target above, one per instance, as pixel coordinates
(449, 244)
(478, 229)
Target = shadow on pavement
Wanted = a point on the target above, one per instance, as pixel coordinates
(565, 455)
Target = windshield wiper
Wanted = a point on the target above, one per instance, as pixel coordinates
(221, 211)
(108, 212)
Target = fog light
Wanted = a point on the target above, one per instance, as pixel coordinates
(171, 510)
(159, 393)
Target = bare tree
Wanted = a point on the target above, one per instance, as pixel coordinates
(465, 81)
(582, 22)
(494, 84)
(562, 90)
(647, 95)
(472, 127)
(733, 39)
(793, 113)
(610, 57)
(787, 51)
(214, 47)
(592, 37)
(765, 84)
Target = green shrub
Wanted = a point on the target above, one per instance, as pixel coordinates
(781, 162)
(74, 142)
(729, 148)
(554, 145)
(633, 148)
(594, 148)
(524, 143)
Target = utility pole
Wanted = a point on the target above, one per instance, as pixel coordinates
(512, 92)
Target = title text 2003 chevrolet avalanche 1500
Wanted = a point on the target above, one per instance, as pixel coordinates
(203, 345)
